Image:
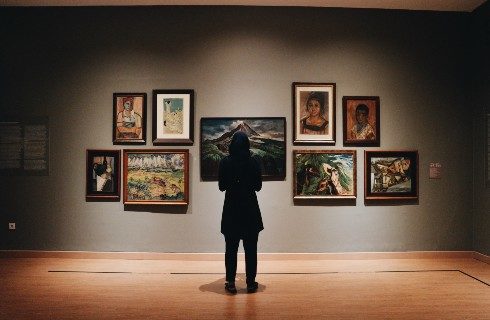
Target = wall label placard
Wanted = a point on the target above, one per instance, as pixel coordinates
(435, 170)
(24, 146)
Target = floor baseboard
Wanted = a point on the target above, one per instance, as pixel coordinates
(262, 256)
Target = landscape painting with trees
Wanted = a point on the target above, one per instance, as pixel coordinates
(267, 144)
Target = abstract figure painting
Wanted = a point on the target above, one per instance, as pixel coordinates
(391, 175)
(314, 113)
(324, 174)
(267, 144)
(103, 175)
(173, 117)
(361, 121)
(156, 177)
(129, 119)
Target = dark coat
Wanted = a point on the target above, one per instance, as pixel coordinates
(240, 176)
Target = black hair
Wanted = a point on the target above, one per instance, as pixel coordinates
(239, 145)
(362, 107)
(319, 96)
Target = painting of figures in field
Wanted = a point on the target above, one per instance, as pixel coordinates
(391, 174)
(267, 144)
(156, 177)
(324, 174)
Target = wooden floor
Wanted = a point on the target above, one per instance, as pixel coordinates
(54, 288)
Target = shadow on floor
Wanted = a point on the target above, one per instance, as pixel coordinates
(218, 286)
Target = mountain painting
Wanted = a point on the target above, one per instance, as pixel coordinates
(267, 144)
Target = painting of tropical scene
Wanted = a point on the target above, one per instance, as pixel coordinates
(325, 174)
(267, 144)
(155, 176)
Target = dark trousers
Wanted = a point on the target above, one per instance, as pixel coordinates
(250, 247)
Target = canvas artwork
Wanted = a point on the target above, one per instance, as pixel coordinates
(391, 175)
(173, 117)
(324, 174)
(267, 144)
(156, 177)
(361, 123)
(129, 123)
(103, 167)
(314, 113)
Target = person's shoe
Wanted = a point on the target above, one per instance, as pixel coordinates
(252, 287)
(230, 287)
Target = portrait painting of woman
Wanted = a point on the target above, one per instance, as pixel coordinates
(314, 113)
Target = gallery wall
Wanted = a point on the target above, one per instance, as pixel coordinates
(65, 63)
(479, 99)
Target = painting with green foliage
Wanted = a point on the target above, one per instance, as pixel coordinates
(324, 174)
(267, 144)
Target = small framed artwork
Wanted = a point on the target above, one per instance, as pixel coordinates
(391, 175)
(156, 177)
(324, 174)
(129, 118)
(267, 144)
(103, 175)
(361, 121)
(314, 113)
(173, 117)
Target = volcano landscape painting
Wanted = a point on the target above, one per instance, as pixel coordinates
(267, 144)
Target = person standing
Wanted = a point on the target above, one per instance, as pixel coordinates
(240, 176)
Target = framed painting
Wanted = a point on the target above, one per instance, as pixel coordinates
(361, 121)
(103, 178)
(391, 175)
(267, 144)
(314, 113)
(173, 117)
(324, 174)
(156, 177)
(129, 118)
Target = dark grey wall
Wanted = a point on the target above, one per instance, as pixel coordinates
(66, 63)
(480, 97)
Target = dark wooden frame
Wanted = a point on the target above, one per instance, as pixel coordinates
(173, 141)
(91, 195)
(361, 142)
(296, 115)
(414, 158)
(183, 202)
(353, 153)
(121, 141)
(211, 177)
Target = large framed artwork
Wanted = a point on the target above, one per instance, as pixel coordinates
(391, 175)
(129, 118)
(156, 177)
(314, 113)
(173, 117)
(267, 144)
(103, 180)
(324, 174)
(361, 123)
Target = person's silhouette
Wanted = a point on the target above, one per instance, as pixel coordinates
(240, 176)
